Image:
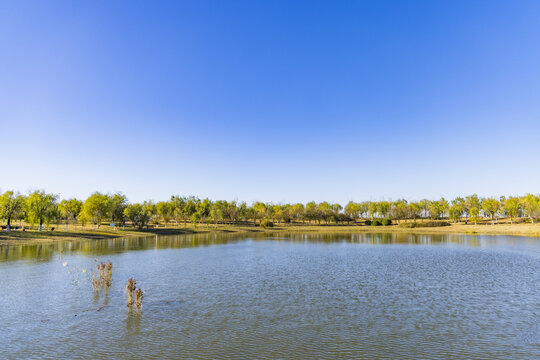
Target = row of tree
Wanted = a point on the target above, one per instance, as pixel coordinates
(41, 208)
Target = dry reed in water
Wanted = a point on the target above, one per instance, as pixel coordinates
(132, 289)
(139, 297)
(103, 277)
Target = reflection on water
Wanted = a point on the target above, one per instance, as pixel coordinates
(44, 252)
(316, 295)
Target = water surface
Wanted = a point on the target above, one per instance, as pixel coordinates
(288, 296)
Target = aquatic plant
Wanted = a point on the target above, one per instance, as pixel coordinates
(138, 298)
(102, 279)
(109, 272)
(130, 287)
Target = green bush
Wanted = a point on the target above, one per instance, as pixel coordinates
(407, 225)
(377, 223)
(368, 222)
(424, 224)
(267, 223)
(386, 222)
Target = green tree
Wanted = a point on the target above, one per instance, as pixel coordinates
(398, 210)
(165, 210)
(425, 205)
(335, 214)
(438, 209)
(250, 214)
(243, 212)
(473, 214)
(297, 212)
(203, 210)
(286, 213)
(216, 212)
(190, 208)
(259, 211)
(118, 203)
(178, 203)
(372, 209)
(152, 209)
(454, 212)
(324, 211)
(383, 208)
(70, 209)
(511, 208)
(531, 206)
(96, 209)
(40, 206)
(472, 201)
(310, 211)
(364, 208)
(11, 205)
(460, 207)
(352, 210)
(414, 210)
(490, 207)
(138, 214)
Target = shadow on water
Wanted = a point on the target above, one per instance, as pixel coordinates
(46, 252)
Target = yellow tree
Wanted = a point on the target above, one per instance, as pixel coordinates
(352, 210)
(491, 206)
(473, 214)
(96, 209)
(531, 206)
(511, 208)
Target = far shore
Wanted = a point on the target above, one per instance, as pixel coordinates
(30, 237)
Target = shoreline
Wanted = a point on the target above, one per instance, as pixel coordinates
(32, 237)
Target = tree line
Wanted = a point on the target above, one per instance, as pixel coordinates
(40, 207)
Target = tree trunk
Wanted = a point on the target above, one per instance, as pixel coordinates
(8, 223)
(40, 224)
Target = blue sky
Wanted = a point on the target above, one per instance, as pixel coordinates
(275, 101)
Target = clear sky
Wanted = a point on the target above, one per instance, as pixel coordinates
(279, 101)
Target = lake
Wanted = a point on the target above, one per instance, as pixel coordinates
(316, 295)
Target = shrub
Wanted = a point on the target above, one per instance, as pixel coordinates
(267, 223)
(368, 222)
(377, 222)
(386, 222)
(407, 225)
(424, 224)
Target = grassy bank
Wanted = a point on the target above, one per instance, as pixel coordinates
(35, 237)
(74, 232)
